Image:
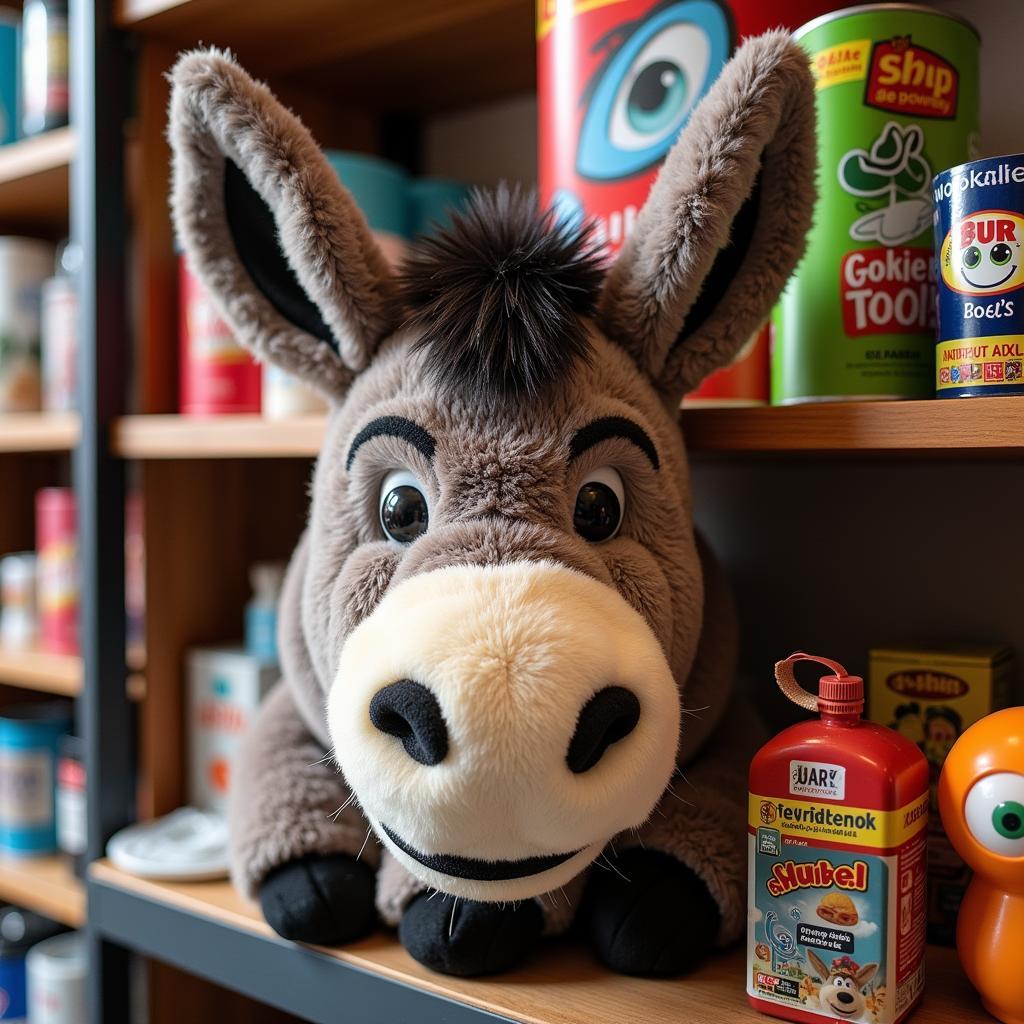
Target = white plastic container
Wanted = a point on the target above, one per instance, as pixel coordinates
(18, 622)
(25, 263)
(59, 343)
(57, 969)
(285, 396)
(225, 688)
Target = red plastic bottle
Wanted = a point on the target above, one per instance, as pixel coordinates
(837, 824)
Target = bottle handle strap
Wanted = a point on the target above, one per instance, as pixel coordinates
(790, 686)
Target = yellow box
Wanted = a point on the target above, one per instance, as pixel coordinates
(931, 695)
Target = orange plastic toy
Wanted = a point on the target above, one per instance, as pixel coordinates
(981, 800)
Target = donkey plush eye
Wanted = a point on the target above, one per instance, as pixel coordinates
(403, 507)
(994, 811)
(600, 503)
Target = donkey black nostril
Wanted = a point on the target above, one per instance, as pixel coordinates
(410, 711)
(844, 997)
(609, 716)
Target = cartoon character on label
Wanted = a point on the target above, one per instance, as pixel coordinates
(640, 78)
(842, 986)
(981, 254)
(895, 170)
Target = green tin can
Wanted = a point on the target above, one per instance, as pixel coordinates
(897, 101)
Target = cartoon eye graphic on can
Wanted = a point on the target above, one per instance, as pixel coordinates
(654, 73)
(981, 255)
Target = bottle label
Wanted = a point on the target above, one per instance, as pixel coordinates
(837, 897)
(817, 779)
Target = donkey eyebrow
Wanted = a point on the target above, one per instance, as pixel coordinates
(393, 426)
(613, 426)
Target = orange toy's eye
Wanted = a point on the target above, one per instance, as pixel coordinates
(994, 811)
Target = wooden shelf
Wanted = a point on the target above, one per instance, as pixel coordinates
(419, 57)
(34, 183)
(980, 425)
(993, 426)
(46, 885)
(38, 670)
(38, 431)
(221, 437)
(564, 985)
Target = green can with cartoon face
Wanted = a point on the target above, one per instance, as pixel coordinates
(897, 101)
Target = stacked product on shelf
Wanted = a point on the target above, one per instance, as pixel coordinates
(20, 932)
(897, 100)
(616, 85)
(226, 686)
(979, 227)
(931, 695)
(33, 69)
(44, 66)
(39, 590)
(838, 807)
(30, 735)
(218, 376)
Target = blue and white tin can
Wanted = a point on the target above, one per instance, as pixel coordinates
(979, 230)
(29, 736)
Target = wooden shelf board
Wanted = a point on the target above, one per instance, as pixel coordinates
(46, 885)
(983, 425)
(421, 57)
(39, 670)
(34, 182)
(563, 986)
(221, 437)
(38, 431)
(991, 425)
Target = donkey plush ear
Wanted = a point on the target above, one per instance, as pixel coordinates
(724, 224)
(269, 229)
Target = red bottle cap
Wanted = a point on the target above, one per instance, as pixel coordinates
(838, 693)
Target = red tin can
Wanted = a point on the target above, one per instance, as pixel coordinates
(217, 375)
(616, 82)
(57, 586)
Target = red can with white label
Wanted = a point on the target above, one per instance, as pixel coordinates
(617, 81)
(217, 375)
(57, 586)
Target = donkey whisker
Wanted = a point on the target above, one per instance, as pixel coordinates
(369, 829)
(451, 923)
(614, 868)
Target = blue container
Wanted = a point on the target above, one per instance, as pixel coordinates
(29, 735)
(431, 201)
(979, 230)
(20, 930)
(378, 187)
(10, 57)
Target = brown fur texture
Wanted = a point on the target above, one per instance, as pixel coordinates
(219, 113)
(759, 118)
(501, 485)
(497, 296)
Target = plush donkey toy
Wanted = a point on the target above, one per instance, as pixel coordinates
(499, 624)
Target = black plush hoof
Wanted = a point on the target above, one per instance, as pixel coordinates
(326, 900)
(659, 920)
(481, 938)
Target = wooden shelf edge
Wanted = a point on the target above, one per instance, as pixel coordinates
(36, 155)
(991, 425)
(46, 885)
(562, 985)
(985, 425)
(42, 671)
(221, 437)
(38, 432)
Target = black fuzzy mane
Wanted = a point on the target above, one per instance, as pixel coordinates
(498, 296)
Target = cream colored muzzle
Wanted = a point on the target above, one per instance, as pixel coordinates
(497, 664)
